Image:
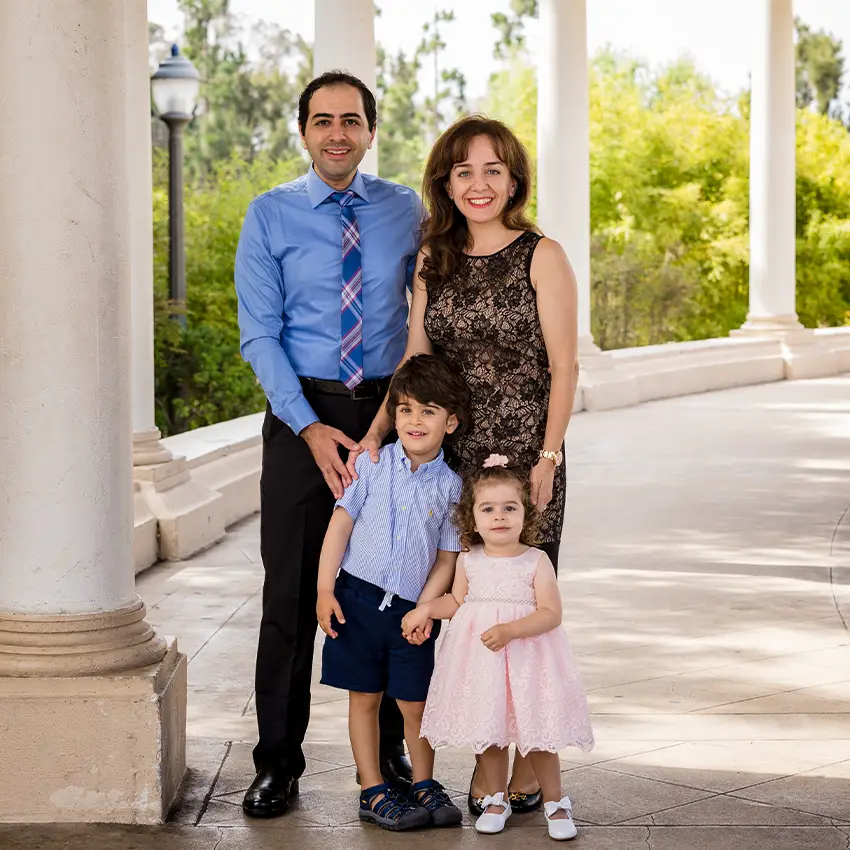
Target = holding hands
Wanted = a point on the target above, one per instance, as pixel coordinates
(416, 625)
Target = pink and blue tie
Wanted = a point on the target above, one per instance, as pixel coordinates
(351, 330)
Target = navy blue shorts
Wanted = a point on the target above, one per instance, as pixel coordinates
(369, 654)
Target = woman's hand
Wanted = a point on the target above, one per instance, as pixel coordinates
(370, 443)
(542, 482)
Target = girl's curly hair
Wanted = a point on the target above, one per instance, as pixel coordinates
(463, 515)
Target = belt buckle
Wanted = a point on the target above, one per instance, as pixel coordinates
(361, 392)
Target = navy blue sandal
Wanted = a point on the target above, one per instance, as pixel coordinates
(433, 798)
(393, 811)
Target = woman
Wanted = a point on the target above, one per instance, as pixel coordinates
(498, 301)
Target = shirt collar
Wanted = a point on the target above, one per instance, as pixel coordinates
(425, 469)
(318, 191)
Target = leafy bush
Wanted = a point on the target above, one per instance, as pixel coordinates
(200, 375)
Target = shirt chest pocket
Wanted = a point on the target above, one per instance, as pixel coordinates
(434, 516)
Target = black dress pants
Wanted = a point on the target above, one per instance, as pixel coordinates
(296, 507)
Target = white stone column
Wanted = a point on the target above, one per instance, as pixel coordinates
(563, 143)
(345, 40)
(772, 170)
(174, 515)
(147, 447)
(563, 181)
(68, 610)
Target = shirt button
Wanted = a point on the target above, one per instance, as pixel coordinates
(404, 507)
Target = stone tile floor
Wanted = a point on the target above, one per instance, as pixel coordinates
(706, 580)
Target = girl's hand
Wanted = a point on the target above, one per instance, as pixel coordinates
(419, 636)
(370, 443)
(415, 621)
(542, 482)
(498, 637)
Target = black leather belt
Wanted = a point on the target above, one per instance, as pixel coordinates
(374, 388)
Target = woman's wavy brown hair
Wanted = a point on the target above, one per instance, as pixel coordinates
(445, 235)
(465, 519)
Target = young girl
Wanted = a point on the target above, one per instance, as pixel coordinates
(505, 674)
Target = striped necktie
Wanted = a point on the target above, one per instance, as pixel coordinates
(351, 327)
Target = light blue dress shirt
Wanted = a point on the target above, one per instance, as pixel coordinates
(401, 518)
(289, 284)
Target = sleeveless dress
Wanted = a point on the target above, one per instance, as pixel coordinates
(528, 693)
(484, 323)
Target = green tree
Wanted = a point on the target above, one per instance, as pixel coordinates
(511, 27)
(200, 375)
(820, 69)
(246, 106)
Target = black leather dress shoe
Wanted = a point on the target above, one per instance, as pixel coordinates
(270, 793)
(396, 770)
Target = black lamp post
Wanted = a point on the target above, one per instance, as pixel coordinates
(174, 89)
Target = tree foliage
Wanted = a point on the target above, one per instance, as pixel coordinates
(670, 202)
(820, 69)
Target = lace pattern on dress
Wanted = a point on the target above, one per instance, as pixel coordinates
(485, 323)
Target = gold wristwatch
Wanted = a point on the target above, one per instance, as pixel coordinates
(556, 457)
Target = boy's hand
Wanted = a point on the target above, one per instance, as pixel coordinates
(497, 637)
(418, 636)
(327, 607)
(417, 620)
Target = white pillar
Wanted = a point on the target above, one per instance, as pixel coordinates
(345, 40)
(772, 170)
(68, 609)
(66, 512)
(146, 446)
(563, 143)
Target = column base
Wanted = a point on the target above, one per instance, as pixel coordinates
(94, 749)
(603, 386)
(804, 355)
(145, 532)
(190, 517)
(148, 448)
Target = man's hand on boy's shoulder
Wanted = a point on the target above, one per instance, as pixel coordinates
(327, 607)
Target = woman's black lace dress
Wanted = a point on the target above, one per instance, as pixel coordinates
(485, 324)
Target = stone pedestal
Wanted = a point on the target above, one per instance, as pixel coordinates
(190, 517)
(108, 748)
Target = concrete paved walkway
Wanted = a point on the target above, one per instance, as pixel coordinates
(704, 572)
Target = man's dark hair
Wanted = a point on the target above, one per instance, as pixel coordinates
(337, 78)
(428, 379)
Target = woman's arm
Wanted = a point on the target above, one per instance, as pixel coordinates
(557, 306)
(547, 616)
(417, 343)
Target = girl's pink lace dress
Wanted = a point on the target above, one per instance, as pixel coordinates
(528, 693)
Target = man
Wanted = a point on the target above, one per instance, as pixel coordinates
(322, 271)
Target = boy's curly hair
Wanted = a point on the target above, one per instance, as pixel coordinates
(463, 515)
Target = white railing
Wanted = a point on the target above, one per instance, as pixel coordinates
(226, 457)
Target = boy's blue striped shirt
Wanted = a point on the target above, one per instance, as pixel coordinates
(401, 518)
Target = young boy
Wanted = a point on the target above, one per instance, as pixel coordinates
(394, 544)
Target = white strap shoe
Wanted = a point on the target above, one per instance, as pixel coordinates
(561, 829)
(493, 822)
